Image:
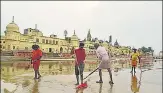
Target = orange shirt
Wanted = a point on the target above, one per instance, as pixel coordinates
(36, 54)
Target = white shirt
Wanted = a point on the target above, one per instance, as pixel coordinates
(102, 54)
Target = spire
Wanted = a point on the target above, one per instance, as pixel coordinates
(116, 43)
(13, 19)
(89, 37)
(35, 26)
(116, 40)
(74, 32)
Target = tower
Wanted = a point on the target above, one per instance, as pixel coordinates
(12, 36)
(116, 44)
(74, 40)
(110, 39)
(89, 37)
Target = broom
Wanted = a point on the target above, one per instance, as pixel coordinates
(84, 85)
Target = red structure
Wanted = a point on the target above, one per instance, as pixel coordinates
(23, 53)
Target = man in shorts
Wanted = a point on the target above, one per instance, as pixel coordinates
(103, 56)
(79, 62)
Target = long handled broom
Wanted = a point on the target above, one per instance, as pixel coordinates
(84, 85)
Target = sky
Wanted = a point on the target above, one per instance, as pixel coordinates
(132, 23)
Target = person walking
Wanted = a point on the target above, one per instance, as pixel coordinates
(79, 62)
(103, 56)
(36, 56)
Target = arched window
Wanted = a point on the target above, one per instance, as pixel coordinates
(37, 40)
(13, 47)
(46, 41)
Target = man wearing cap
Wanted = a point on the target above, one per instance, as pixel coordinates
(79, 62)
(103, 56)
(36, 56)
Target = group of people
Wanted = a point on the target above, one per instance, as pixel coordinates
(80, 56)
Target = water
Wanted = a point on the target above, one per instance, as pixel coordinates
(58, 77)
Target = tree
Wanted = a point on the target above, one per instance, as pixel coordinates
(107, 42)
(65, 33)
(150, 50)
(101, 41)
(96, 38)
(144, 49)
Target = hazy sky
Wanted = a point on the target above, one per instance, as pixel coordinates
(133, 23)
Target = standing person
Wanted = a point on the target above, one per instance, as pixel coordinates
(79, 62)
(105, 62)
(36, 56)
(134, 58)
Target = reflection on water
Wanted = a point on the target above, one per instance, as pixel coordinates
(110, 89)
(20, 73)
(135, 84)
(35, 86)
(100, 89)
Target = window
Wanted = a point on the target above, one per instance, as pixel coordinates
(43, 40)
(50, 42)
(3, 47)
(0, 41)
(0, 46)
(26, 48)
(53, 41)
(3, 41)
(46, 41)
(13, 47)
(56, 42)
(37, 40)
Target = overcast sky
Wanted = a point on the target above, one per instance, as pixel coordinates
(133, 23)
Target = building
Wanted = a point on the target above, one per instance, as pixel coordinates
(14, 40)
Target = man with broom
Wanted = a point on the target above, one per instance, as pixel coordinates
(103, 56)
(36, 56)
(79, 62)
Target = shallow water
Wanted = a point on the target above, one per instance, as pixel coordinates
(58, 77)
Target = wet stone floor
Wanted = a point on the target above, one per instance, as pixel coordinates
(21, 81)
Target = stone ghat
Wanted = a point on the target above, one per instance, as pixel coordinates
(26, 64)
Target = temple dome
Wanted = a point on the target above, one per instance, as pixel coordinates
(12, 26)
(74, 36)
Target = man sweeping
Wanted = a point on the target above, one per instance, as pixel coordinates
(103, 56)
(79, 62)
(36, 56)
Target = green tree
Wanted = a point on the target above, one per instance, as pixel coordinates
(65, 33)
(144, 49)
(150, 50)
